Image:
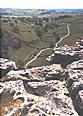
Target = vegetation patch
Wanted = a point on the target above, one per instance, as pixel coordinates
(25, 33)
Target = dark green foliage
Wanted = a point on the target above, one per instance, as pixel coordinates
(4, 21)
(12, 24)
(23, 37)
(15, 29)
(45, 29)
(56, 36)
(39, 32)
(15, 43)
(16, 21)
(20, 64)
(52, 44)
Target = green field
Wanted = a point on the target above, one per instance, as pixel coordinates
(23, 37)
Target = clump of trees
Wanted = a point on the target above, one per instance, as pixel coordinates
(20, 64)
(15, 42)
(62, 17)
(56, 36)
(39, 32)
(4, 45)
(52, 44)
(12, 24)
(4, 21)
(15, 29)
(9, 42)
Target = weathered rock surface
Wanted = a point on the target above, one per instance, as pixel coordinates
(47, 90)
(36, 74)
(79, 102)
(27, 93)
(79, 43)
(6, 65)
(19, 102)
(74, 82)
(65, 55)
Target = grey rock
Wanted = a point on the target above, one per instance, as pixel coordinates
(36, 74)
(79, 102)
(74, 83)
(6, 65)
(41, 91)
(65, 55)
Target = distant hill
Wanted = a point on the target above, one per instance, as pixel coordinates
(66, 10)
(34, 12)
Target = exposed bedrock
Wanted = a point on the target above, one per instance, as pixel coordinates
(37, 91)
(45, 90)
(5, 66)
(47, 98)
(42, 73)
(65, 55)
(74, 83)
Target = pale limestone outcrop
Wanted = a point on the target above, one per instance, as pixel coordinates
(6, 65)
(55, 102)
(25, 92)
(74, 83)
(45, 90)
(65, 55)
(41, 73)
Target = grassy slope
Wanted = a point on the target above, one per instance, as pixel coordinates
(27, 33)
(76, 31)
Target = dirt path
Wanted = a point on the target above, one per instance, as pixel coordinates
(49, 48)
(64, 36)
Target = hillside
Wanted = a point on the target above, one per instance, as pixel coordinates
(23, 36)
(41, 62)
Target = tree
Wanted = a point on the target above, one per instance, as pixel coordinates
(20, 64)
(15, 29)
(39, 32)
(4, 21)
(52, 44)
(56, 36)
(16, 21)
(12, 24)
(45, 30)
(1, 34)
(40, 22)
(47, 19)
(15, 43)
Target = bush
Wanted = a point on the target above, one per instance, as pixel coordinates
(15, 29)
(39, 32)
(12, 24)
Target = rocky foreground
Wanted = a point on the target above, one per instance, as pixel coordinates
(54, 90)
